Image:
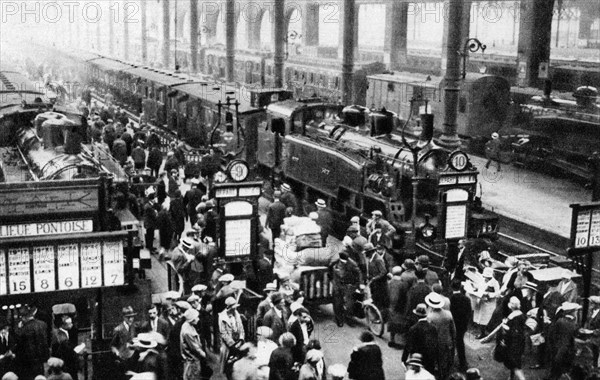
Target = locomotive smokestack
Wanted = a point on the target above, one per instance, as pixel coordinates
(427, 125)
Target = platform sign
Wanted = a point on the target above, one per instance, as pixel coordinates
(68, 266)
(43, 269)
(113, 264)
(238, 219)
(3, 278)
(91, 265)
(585, 226)
(454, 220)
(19, 274)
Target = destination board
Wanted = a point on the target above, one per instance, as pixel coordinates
(43, 269)
(51, 267)
(456, 219)
(585, 226)
(238, 235)
(48, 201)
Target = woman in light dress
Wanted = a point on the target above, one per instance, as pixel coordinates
(483, 293)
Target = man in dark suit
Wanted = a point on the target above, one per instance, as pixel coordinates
(302, 329)
(123, 334)
(31, 348)
(165, 227)
(346, 278)
(415, 296)
(325, 220)
(422, 338)
(278, 316)
(150, 221)
(62, 348)
(460, 307)
(156, 323)
(7, 347)
(281, 361)
(366, 362)
(275, 216)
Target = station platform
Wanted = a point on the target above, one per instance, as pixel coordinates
(533, 198)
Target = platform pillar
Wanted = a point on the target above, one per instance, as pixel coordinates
(465, 30)
(449, 136)
(194, 34)
(166, 37)
(99, 35)
(349, 36)
(111, 32)
(125, 32)
(310, 24)
(396, 27)
(279, 39)
(230, 39)
(535, 30)
(144, 37)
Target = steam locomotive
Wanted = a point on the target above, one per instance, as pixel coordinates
(44, 139)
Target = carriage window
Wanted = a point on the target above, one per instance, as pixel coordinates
(311, 78)
(298, 122)
(337, 82)
(194, 111)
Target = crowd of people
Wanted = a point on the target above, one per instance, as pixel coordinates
(192, 334)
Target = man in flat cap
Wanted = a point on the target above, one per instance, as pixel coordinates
(346, 278)
(31, 351)
(275, 216)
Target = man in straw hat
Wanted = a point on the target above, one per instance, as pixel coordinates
(123, 334)
(265, 305)
(231, 330)
(415, 370)
(444, 324)
(191, 347)
(152, 360)
(325, 220)
(289, 199)
(422, 338)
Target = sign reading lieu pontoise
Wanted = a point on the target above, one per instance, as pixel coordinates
(46, 228)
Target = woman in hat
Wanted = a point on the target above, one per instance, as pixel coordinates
(483, 299)
(264, 345)
(310, 369)
(510, 340)
(415, 370)
(231, 330)
(55, 370)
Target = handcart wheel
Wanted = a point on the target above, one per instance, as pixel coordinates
(374, 319)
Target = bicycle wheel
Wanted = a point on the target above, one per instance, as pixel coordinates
(374, 319)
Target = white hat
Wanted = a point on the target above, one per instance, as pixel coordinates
(355, 219)
(495, 135)
(488, 272)
(286, 187)
(347, 241)
(377, 212)
(230, 302)
(195, 181)
(145, 340)
(191, 314)
(566, 274)
(295, 306)
(434, 300)
(321, 203)
(199, 288)
(313, 215)
(172, 295)
(186, 243)
(226, 278)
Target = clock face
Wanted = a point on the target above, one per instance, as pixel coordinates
(238, 171)
(459, 161)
